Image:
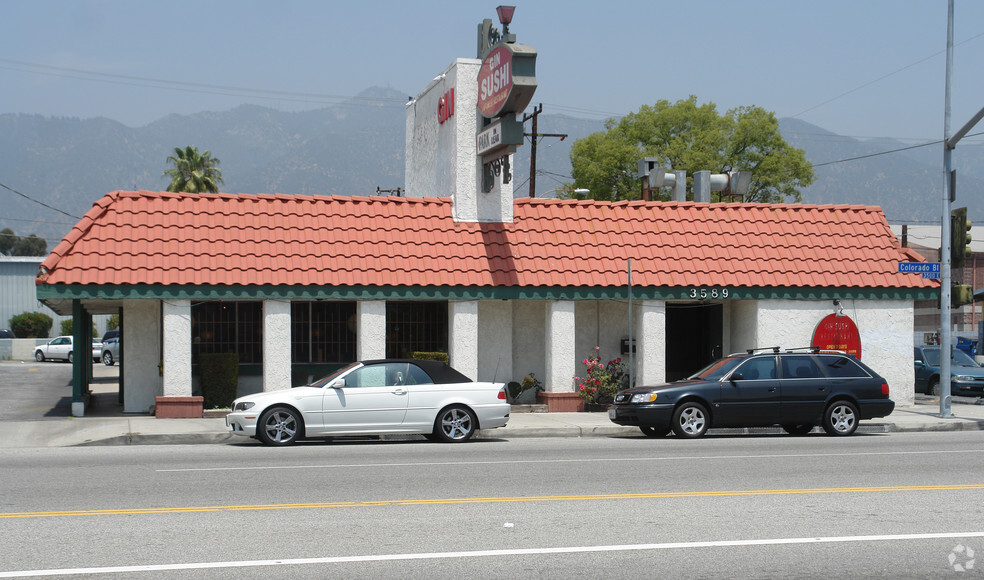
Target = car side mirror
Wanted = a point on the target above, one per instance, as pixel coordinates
(338, 384)
(919, 363)
(737, 377)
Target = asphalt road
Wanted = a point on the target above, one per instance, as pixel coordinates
(898, 505)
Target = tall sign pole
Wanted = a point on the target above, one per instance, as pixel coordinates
(945, 322)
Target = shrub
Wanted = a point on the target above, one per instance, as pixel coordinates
(441, 356)
(220, 379)
(31, 325)
(67, 326)
(601, 381)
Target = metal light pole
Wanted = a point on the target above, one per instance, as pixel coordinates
(945, 322)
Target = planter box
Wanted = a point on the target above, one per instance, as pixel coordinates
(178, 407)
(561, 402)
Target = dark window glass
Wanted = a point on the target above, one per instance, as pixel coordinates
(799, 367)
(228, 327)
(416, 327)
(323, 332)
(418, 376)
(842, 367)
(758, 368)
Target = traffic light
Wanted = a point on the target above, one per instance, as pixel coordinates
(959, 237)
(961, 294)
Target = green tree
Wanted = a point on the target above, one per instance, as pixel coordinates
(67, 327)
(31, 325)
(113, 323)
(193, 172)
(688, 136)
(32, 245)
(7, 241)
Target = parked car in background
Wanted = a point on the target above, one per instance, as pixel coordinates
(110, 334)
(966, 376)
(111, 351)
(392, 396)
(60, 348)
(6, 334)
(797, 389)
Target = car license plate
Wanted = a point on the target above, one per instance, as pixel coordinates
(612, 413)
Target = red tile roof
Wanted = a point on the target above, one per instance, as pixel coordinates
(223, 239)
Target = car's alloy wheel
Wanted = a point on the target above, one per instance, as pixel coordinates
(690, 420)
(455, 424)
(39, 356)
(801, 429)
(934, 388)
(279, 426)
(651, 431)
(108, 358)
(70, 357)
(841, 418)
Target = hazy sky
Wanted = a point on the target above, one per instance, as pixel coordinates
(864, 68)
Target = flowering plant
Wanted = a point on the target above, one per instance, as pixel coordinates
(601, 381)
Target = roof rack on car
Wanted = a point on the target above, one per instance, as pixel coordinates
(774, 349)
(815, 350)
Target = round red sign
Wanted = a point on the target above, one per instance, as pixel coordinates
(838, 333)
(495, 81)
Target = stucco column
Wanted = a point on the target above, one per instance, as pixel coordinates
(141, 341)
(372, 329)
(463, 337)
(650, 331)
(177, 348)
(560, 339)
(276, 345)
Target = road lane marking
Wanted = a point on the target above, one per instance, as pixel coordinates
(476, 500)
(486, 554)
(578, 460)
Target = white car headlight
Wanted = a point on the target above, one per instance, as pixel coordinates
(643, 398)
(963, 378)
(243, 406)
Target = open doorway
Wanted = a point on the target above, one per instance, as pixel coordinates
(693, 338)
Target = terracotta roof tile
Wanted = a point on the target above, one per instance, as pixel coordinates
(225, 239)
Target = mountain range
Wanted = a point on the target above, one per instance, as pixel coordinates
(358, 146)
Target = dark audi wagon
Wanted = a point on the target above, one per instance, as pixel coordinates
(797, 389)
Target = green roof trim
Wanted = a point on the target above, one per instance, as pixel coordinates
(709, 293)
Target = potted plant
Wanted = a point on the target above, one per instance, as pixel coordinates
(524, 393)
(600, 382)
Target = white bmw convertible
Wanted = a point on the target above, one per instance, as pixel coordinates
(378, 397)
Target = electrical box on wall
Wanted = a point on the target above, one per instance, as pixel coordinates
(625, 346)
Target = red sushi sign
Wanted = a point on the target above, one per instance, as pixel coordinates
(507, 80)
(495, 81)
(838, 333)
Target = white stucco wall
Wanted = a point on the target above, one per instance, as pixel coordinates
(177, 348)
(885, 327)
(495, 342)
(463, 337)
(372, 329)
(560, 345)
(441, 159)
(649, 329)
(276, 345)
(142, 352)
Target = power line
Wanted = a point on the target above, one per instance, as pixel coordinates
(886, 152)
(29, 198)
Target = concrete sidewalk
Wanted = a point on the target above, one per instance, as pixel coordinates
(105, 424)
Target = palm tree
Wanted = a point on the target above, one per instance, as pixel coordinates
(193, 172)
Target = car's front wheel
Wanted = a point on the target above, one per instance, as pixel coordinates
(933, 388)
(651, 431)
(108, 358)
(280, 426)
(39, 356)
(454, 424)
(802, 429)
(840, 418)
(690, 420)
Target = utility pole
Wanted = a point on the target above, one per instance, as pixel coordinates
(949, 195)
(534, 137)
